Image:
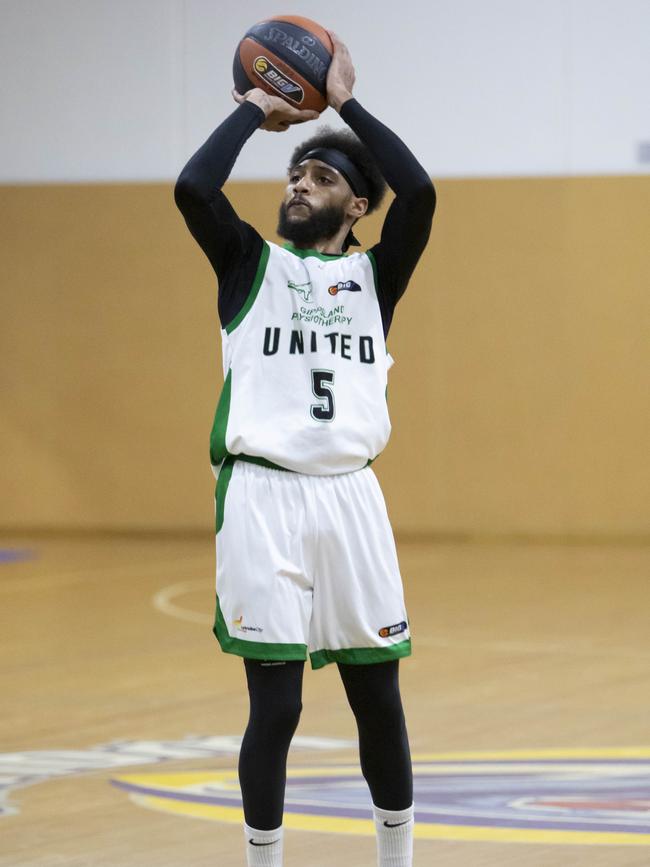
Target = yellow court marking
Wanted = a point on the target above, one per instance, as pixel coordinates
(365, 827)
(533, 754)
(181, 784)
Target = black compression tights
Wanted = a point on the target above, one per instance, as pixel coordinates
(275, 705)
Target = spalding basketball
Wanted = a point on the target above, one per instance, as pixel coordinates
(287, 56)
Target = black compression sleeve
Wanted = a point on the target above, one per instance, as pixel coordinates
(374, 696)
(408, 222)
(232, 246)
(275, 704)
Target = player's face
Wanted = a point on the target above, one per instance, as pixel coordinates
(313, 185)
(315, 205)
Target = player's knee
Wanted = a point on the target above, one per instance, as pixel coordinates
(376, 703)
(279, 719)
(385, 711)
(288, 716)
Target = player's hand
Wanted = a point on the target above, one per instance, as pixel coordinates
(279, 114)
(341, 75)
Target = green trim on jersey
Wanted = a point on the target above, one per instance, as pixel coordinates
(218, 450)
(255, 649)
(361, 655)
(304, 254)
(255, 288)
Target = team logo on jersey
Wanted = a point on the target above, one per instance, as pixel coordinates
(344, 286)
(303, 289)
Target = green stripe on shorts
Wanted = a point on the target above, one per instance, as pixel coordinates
(255, 649)
(361, 655)
(223, 481)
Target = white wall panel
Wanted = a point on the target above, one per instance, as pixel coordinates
(88, 89)
(474, 88)
(127, 89)
(609, 86)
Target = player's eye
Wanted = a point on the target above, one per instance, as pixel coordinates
(294, 178)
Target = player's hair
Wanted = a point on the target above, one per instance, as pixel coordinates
(346, 141)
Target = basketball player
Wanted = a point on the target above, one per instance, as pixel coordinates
(306, 562)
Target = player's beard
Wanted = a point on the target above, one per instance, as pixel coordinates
(320, 225)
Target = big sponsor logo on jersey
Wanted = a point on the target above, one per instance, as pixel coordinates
(344, 286)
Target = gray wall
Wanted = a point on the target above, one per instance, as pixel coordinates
(127, 89)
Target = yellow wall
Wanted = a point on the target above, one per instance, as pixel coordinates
(519, 398)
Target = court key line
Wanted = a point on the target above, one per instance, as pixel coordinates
(162, 601)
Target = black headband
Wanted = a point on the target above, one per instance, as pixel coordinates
(340, 161)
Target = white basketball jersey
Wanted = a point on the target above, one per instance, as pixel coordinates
(305, 366)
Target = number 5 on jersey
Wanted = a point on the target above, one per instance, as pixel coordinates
(321, 384)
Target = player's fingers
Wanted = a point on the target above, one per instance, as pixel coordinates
(302, 115)
(276, 125)
(340, 48)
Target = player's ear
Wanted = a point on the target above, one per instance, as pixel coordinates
(357, 207)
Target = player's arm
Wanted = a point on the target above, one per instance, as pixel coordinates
(232, 245)
(407, 225)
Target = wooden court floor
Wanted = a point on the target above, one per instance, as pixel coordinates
(112, 681)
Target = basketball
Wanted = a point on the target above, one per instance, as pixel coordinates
(286, 56)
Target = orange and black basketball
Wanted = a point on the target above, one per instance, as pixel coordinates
(287, 56)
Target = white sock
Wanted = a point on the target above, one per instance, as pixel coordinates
(263, 848)
(394, 837)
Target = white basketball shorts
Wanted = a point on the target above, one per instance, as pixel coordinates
(306, 565)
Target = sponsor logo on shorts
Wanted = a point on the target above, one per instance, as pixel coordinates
(344, 286)
(239, 623)
(395, 629)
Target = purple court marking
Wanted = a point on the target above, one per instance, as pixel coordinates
(611, 795)
(16, 555)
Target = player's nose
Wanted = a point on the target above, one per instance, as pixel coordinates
(303, 185)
